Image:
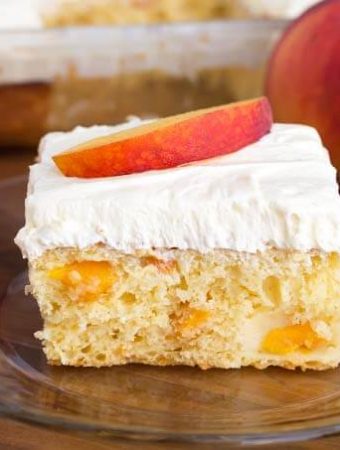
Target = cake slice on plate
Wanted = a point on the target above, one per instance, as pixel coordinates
(230, 259)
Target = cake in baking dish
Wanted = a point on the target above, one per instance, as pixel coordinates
(59, 13)
(85, 12)
(226, 262)
(56, 80)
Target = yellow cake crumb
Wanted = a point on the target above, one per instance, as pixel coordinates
(222, 308)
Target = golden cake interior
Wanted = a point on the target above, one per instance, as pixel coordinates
(222, 309)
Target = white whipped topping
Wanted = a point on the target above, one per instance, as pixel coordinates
(23, 14)
(276, 8)
(280, 191)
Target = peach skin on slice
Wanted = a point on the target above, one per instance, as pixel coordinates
(170, 142)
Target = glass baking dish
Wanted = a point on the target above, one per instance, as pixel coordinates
(55, 79)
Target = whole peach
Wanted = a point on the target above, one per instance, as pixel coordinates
(303, 76)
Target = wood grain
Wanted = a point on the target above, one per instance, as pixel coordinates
(20, 436)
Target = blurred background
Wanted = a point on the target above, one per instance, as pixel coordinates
(65, 63)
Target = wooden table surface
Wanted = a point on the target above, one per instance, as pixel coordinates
(20, 436)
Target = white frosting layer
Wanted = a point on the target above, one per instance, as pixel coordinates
(277, 8)
(18, 14)
(26, 14)
(280, 191)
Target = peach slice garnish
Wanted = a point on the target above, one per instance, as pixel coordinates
(170, 142)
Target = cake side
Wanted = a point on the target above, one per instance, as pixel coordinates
(221, 309)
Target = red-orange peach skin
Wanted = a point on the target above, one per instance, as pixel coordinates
(170, 142)
(303, 77)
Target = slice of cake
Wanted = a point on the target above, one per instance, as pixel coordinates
(225, 262)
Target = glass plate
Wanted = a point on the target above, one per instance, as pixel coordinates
(141, 402)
